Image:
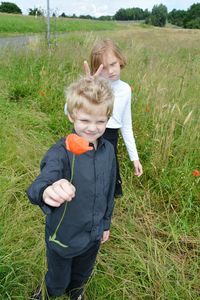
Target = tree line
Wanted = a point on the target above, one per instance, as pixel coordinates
(159, 15)
(186, 19)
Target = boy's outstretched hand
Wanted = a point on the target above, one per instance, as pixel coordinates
(59, 192)
(105, 236)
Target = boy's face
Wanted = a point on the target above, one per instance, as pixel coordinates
(111, 66)
(89, 126)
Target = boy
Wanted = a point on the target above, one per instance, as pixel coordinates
(90, 196)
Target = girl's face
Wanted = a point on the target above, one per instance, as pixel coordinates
(111, 66)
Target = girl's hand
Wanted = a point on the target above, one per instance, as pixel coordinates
(105, 236)
(138, 168)
(88, 71)
(59, 192)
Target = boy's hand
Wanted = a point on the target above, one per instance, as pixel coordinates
(59, 192)
(88, 72)
(105, 236)
(138, 168)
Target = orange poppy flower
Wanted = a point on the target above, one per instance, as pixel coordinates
(196, 173)
(77, 144)
(42, 93)
(147, 108)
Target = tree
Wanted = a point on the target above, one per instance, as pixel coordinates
(105, 18)
(63, 15)
(193, 24)
(121, 14)
(134, 13)
(86, 17)
(10, 8)
(192, 19)
(35, 12)
(186, 19)
(159, 15)
(177, 17)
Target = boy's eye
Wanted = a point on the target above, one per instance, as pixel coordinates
(101, 122)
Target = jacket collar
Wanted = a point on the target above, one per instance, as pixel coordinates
(101, 140)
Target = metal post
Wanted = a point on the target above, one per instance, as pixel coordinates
(48, 23)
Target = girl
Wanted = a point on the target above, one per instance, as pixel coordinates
(107, 60)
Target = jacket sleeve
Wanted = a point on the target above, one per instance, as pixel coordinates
(52, 168)
(112, 179)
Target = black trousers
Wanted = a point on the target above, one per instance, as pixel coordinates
(112, 136)
(68, 275)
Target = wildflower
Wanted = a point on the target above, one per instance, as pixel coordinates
(147, 108)
(196, 173)
(77, 145)
(42, 93)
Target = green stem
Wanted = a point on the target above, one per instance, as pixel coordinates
(53, 237)
(72, 173)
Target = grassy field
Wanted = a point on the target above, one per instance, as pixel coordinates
(154, 250)
(17, 24)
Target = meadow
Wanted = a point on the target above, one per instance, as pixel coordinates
(22, 24)
(154, 249)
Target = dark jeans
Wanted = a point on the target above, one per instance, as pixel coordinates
(68, 275)
(112, 136)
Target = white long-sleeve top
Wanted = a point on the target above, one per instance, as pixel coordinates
(122, 116)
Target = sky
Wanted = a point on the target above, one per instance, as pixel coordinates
(97, 8)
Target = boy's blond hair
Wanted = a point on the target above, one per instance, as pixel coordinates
(93, 94)
(100, 49)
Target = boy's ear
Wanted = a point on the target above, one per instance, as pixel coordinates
(70, 118)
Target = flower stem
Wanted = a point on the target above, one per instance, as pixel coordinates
(72, 172)
(53, 237)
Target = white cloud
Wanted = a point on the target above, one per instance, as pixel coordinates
(87, 7)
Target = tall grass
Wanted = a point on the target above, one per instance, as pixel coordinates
(154, 251)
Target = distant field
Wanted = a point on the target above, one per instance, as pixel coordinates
(154, 249)
(17, 24)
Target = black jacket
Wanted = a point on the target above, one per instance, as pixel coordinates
(89, 213)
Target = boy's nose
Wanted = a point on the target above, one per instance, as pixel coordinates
(92, 127)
